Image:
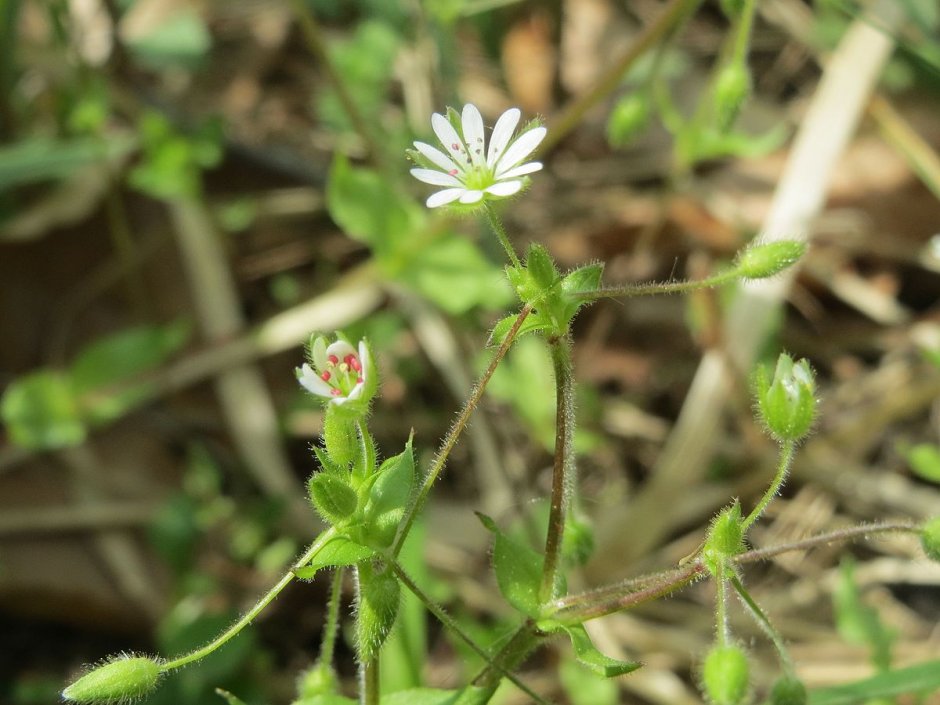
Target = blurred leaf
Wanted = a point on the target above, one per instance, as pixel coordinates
(421, 696)
(584, 687)
(860, 623)
(41, 159)
(454, 274)
(41, 413)
(229, 698)
(924, 459)
(174, 530)
(116, 359)
(326, 699)
(588, 655)
(924, 678)
(518, 570)
(368, 209)
(181, 39)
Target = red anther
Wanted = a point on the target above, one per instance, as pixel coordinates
(354, 363)
(455, 147)
(360, 380)
(325, 376)
(336, 393)
(453, 172)
(332, 359)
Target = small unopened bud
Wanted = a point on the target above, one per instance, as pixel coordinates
(725, 539)
(732, 88)
(930, 539)
(379, 598)
(788, 690)
(121, 679)
(725, 675)
(788, 403)
(768, 259)
(629, 117)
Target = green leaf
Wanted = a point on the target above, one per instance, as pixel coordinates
(421, 696)
(541, 266)
(113, 361)
(229, 697)
(41, 412)
(326, 699)
(924, 459)
(923, 678)
(181, 39)
(588, 655)
(518, 570)
(42, 159)
(533, 322)
(376, 610)
(860, 623)
(586, 278)
(583, 687)
(389, 496)
(454, 274)
(340, 550)
(332, 497)
(364, 204)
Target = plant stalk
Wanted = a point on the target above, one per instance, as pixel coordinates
(787, 450)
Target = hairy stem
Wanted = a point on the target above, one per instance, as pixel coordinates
(764, 623)
(654, 288)
(247, 618)
(563, 470)
(450, 440)
(331, 627)
(369, 682)
(497, 225)
(783, 467)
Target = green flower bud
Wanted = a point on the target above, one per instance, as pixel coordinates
(541, 267)
(732, 88)
(379, 597)
(332, 497)
(725, 538)
(930, 539)
(319, 679)
(340, 437)
(629, 117)
(725, 675)
(788, 690)
(788, 403)
(767, 259)
(120, 679)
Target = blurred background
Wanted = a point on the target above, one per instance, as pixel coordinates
(189, 189)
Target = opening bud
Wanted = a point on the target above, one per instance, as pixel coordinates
(120, 679)
(787, 404)
(725, 675)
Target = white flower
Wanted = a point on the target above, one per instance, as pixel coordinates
(339, 372)
(469, 170)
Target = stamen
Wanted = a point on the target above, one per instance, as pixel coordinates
(455, 147)
(344, 368)
(353, 362)
(325, 376)
(336, 393)
(453, 172)
(332, 359)
(360, 380)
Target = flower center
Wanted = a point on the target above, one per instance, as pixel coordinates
(478, 178)
(342, 375)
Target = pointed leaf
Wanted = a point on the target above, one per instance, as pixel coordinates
(340, 550)
(534, 322)
(586, 278)
(389, 496)
(588, 655)
(332, 497)
(518, 570)
(541, 266)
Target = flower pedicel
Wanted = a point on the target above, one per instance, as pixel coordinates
(471, 171)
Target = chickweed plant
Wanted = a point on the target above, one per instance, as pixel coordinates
(370, 504)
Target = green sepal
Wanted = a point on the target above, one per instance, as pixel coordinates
(578, 281)
(766, 259)
(340, 436)
(379, 599)
(725, 675)
(732, 88)
(326, 462)
(119, 679)
(589, 657)
(518, 570)
(725, 539)
(332, 497)
(389, 495)
(787, 403)
(338, 551)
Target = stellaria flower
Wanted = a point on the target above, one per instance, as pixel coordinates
(471, 171)
(339, 373)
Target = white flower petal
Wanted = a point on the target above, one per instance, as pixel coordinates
(340, 349)
(441, 198)
(472, 123)
(524, 145)
(437, 157)
(318, 352)
(502, 133)
(522, 170)
(435, 178)
(471, 197)
(356, 392)
(504, 188)
(365, 359)
(310, 381)
(453, 145)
